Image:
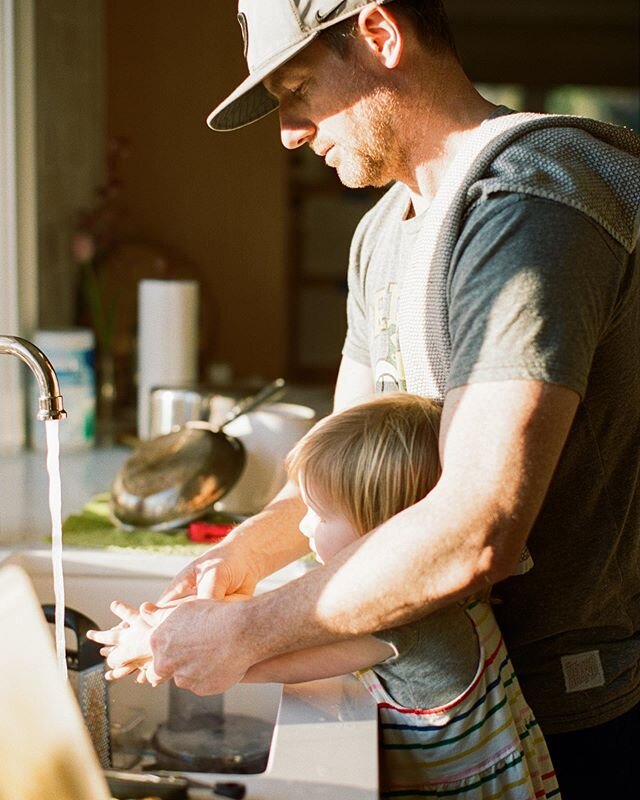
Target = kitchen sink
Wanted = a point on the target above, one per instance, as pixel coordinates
(143, 717)
(319, 739)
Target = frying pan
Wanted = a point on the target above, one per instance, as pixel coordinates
(175, 478)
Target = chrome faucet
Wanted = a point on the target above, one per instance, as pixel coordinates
(50, 401)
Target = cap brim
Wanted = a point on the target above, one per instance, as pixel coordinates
(251, 101)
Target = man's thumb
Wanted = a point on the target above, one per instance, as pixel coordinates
(211, 586)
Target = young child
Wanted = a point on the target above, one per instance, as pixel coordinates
(453, 720)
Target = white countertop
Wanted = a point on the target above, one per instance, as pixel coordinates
(24, 499)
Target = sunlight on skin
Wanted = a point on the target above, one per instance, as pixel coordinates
(352, 125)
(134, 633)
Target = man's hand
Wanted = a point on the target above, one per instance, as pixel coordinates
(198, 644)
(258, 547)
(223, 570)
(144, 638)
(192, 641)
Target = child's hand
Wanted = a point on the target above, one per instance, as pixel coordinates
(127, 645)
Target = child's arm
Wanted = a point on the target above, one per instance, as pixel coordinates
(325, 661)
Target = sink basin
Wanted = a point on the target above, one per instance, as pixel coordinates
(323, 734)
(90, 584)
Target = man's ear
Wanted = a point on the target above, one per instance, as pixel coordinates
(382, 35)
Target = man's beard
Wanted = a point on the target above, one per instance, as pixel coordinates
(374, 156)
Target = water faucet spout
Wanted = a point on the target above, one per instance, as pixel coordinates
(50, 404)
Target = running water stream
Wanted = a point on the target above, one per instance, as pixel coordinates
(55, 509)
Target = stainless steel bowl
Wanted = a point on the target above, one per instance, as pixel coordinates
(170, 407)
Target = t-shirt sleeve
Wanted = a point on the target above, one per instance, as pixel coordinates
(532, 289)
(356, 345)
(437, 658)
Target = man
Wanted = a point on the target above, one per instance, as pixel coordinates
(498, 274)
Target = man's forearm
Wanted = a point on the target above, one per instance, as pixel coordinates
(272, 538)
(383, 579)
(467, 534)
(501, 444)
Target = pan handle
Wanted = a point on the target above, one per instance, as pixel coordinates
(274, 389)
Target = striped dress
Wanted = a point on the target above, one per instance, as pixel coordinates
(484, 745)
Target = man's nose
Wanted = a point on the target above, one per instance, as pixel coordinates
(295, 132)
(293, 138)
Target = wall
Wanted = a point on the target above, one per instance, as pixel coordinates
(217, 200)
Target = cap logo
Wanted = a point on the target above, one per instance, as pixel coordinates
(321, 16)
(242, 20)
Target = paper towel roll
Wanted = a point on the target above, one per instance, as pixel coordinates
(167, 339)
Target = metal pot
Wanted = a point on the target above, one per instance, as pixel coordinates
(173, 479)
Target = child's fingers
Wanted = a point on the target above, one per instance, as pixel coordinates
(119, 672)
(126, 612)
(147, 674)
(152, 676)
(110, 637)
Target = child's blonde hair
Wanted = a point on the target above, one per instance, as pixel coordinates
(372, 460)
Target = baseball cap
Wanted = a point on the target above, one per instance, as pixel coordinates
(274, 31)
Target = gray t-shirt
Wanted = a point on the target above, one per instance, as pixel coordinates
(437, 659)
(538, 290)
